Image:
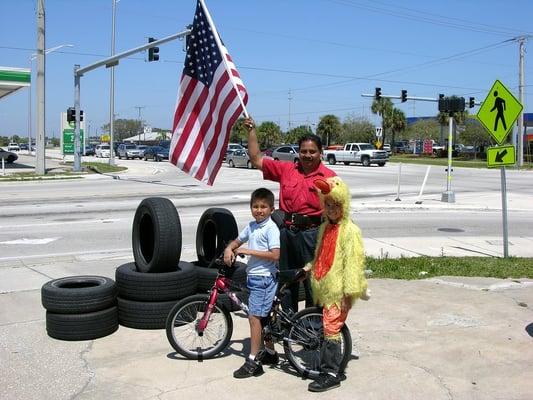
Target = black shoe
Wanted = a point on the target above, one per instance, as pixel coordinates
(248, 369)
(324, 382)
(267, 358)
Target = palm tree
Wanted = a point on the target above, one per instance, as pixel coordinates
(398, 124)
(383, 107)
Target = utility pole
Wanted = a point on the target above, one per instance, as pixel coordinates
(40, 135)
(290, 98)
(112, 91)
(139, 108)
(520, 139)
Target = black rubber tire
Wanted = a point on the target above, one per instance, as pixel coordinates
(78, 294)
(303, 314)
(381, 164)
(143, 314)
(163, 286)
(332, 160)
(199, 353)
(346, 162)
(85, 326)
(10, 159)
(156, 236)
(365, 161)
(231, 164)
(216, 228)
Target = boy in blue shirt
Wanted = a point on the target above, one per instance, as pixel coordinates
(262, 235)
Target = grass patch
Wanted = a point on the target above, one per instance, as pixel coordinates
(98, 167)
(411, 268)
(32, 176)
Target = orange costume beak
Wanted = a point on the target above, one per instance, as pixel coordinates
(322, 185)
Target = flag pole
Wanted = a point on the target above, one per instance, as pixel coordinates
(219, 44)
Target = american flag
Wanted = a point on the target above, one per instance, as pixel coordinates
(208, 104)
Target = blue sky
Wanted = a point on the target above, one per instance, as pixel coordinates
(326, 52)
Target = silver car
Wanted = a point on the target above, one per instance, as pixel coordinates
(288, 152)
(239, 158)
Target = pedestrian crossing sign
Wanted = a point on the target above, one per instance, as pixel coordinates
(499, 112)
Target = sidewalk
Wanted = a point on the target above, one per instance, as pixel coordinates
(460, 338)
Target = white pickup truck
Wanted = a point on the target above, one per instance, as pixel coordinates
(363, 153)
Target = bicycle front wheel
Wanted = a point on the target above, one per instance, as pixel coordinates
(304, 340)
(182, 328)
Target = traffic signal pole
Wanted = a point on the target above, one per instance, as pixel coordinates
(107, 62)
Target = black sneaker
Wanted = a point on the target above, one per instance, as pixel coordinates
(248, 369)
(267, 358)
(324, 382)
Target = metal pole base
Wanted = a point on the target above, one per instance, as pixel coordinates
(448, 197)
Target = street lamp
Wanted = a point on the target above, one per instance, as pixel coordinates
(112, 89)
(33, 57)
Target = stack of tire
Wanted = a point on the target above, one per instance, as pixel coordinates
(144, 291)
(149, 287)
(80, 307)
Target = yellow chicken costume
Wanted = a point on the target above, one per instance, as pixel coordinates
(337, 275)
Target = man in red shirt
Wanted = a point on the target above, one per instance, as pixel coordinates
(298, 199)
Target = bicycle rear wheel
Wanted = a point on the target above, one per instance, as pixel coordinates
(182, 332)
(304, 340)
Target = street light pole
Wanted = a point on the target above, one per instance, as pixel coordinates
(112, 90)
(40, 168)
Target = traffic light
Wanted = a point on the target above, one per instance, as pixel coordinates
(153, 52)
(471, 102)
(71, 114)
(377, 94)
(442, 103)
(404, 96)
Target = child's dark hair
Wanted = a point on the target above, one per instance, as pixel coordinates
(312, 138)
(262, 194)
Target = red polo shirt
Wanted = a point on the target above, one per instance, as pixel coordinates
(297, 194)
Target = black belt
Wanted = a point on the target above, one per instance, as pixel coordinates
(302, 221)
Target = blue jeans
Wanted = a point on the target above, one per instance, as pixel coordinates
(262, 292)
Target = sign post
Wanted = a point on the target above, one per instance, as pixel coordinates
(498, 114)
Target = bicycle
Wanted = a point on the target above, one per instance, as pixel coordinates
(198, 327)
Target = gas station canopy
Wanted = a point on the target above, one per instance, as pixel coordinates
(13, 79)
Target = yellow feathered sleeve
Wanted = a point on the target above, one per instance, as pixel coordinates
(355, 283)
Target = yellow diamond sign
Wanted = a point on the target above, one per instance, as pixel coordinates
(499, 111)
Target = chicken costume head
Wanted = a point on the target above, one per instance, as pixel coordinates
(337, 190)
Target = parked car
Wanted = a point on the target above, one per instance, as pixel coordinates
(103, 150)
(288, 152)
(239, 158)
(387, 148)
(89, 150)
(363, 153)
(141, 148)
(268, 152)
(231, 148)
(23, 146)
(156, 153)
(8, 156)
(13, 146)
(128, 150)
(402, 147)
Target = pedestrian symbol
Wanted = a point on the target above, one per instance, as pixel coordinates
(499, 112)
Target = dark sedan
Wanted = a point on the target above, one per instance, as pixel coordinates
(8, 156)
(156, 153)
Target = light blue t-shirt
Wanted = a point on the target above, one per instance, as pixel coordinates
(263, 236)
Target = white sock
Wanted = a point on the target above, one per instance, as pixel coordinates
(252, 357)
